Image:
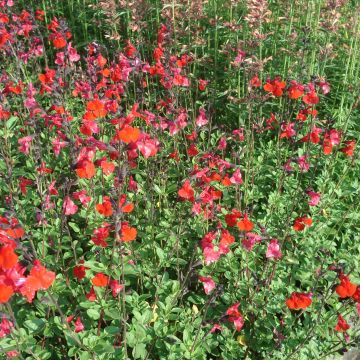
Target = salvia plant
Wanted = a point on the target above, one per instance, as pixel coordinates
(184, 187)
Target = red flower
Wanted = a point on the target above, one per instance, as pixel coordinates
(295, 90)
(39, 279)
(255, 81)
(95, 109)
(80, 270)
(311, 98)
(275, 86)
(127, 233)
(79, 326)
(346, 288)
(107, 167)
(300, 222)
(8, 258)
(245, 224)
(85, 169)
(299, 301)
(342, 325)
(105, 208)
(58, 41)
(202, 84)
(130, 49)
(231, 219)
(5, 293)
(235, 316)
(209, 284)
(91, 295)
(186, 192)
(356, 295)
(348, 150)
(100, 280)
(128, 134)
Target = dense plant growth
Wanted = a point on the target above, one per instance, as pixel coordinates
(179, 181)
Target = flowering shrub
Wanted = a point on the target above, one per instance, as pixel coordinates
(135, 223)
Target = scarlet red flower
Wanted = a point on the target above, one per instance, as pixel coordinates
(95, 109)
(275, 86)
(105, 208)
(186, 192)
(231, 219)
(245, 224)
(80, 271)
(58, 41)
(127, 233)
(107, 167)
(100, 280)
(128, 134)
(5, 293)
(299, 301)
(342, 325)
(39, 279)
(346, 288)
(130, 49)
(226, 238)
(300, 222)
(255, 81)
(295, 90)
(85, 169)
(311, 98)
(8, 258)
(192, 150)
(348, 150)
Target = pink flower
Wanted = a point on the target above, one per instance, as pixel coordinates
(79, 326)
(236, 177)
(288, 130)
(82, 197)
(210, 254)
(201, 119)
(58, 145)
(5, 327)
(238, 322)
(222, 143)
(314, 198)
(358, 308)
(303, 165)
(11, 354)
(73, 55)
(273, 250)
(250, 240)
(287, 166)
(324, 87)
(116, 287)
(25, 144)
(147, 146)
(69, 206)
(239, 133)
(209, 284)
(235, 316)
(215, 327)
(239, 58)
